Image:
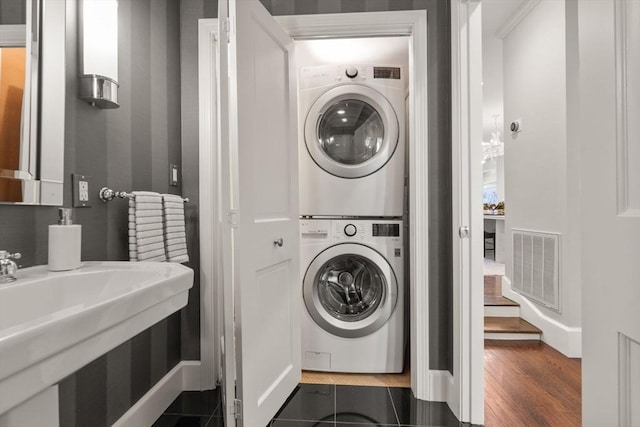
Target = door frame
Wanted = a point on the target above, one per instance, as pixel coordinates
(210, 233)
(425, 384)
(456, 389)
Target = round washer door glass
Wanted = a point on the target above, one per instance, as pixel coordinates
(351, 131)
(350, 287)
(350, 290)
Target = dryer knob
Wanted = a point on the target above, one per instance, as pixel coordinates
(351, 72)
(350, 230)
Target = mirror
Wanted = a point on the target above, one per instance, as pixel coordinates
(32, 101)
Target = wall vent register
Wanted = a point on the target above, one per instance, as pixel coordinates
(536, 267)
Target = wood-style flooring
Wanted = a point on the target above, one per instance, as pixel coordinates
(493, 292)
(375, 380)
(507, 325)
(528, 383)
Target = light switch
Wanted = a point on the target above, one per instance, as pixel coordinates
(81, 191)
(173, 175)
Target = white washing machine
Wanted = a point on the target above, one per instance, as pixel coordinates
(352, 140)
(353, 292)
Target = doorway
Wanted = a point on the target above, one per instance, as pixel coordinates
(426, 385)
(527, 315)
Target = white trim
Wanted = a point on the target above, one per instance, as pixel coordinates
(566, 339)
(623, 21)
(440, 383)
(501, 311)
(52, 93)
(211, 319)
(517, 17)
(413, 24)
(511, 336)
(343, 25)
(184, 376)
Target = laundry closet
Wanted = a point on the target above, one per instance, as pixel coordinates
(353, 174)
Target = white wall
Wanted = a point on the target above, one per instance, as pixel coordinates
(492, 84)
(375, 51)
(541, 194)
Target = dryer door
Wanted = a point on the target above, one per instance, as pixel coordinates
(351, 131)
(350, 290)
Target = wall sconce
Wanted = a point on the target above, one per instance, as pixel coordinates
(99, 52)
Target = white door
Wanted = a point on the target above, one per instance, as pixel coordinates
(262, 198)
(468, 314)
(610, 169)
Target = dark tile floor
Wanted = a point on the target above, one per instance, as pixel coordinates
(315, 405)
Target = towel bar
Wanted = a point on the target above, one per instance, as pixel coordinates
(107, 194)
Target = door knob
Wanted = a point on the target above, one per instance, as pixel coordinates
(278, 242)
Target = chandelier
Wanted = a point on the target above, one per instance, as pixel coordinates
(495, 147)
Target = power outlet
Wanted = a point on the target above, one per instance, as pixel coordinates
(81, 191)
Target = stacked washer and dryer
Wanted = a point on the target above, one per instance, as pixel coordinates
(352, 187)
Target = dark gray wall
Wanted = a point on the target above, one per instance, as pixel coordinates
(439, 119)
(129, 148)
(12, 12)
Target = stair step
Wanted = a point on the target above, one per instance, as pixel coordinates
(510, 328)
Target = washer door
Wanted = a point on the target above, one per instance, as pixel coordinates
(350, 290)
(351, 131)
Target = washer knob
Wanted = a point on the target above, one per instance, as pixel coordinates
(350, 230)
(351, 72)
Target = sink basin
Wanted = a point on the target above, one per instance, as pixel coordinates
(53, 323)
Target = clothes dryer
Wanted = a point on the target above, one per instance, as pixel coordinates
(352, 140)
(353, 295)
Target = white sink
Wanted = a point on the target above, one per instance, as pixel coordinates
(53, 323)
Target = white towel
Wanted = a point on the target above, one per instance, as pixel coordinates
(144, 214)
(174, 229)
(171, 204)
(148, 206)
(146, 234)
(139, 220)
(175, 238)
(146, 199)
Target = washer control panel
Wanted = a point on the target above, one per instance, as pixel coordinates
(361, 230)
(351, 230)
(315, 229)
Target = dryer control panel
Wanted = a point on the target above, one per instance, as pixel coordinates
(390, 76)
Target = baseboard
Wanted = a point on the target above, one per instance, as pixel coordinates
(440, 383)
(185, 376)
(566, 339)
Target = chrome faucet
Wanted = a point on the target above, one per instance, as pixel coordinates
(8, 267)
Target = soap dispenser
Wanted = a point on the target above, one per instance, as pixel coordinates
(64, 243)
